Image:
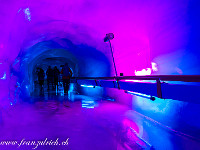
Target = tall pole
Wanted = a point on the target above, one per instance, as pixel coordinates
(113, 58)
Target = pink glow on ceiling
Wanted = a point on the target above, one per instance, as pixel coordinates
(1, 45)
(135, 24)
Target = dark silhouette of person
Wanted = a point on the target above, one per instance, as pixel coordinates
(41, 76)
(56, 74)
(50, 75)
(66, 74)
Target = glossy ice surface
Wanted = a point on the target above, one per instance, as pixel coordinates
(88, 128)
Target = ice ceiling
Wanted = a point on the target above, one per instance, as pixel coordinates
(146, 31)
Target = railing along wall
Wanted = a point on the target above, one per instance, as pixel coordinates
(183, 87)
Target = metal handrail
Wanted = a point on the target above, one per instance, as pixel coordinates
(157, 78)
(184, 78)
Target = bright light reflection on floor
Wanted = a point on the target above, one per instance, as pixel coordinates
(88, 104)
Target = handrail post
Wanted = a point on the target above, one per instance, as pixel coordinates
(117, 80)
(96, 82)
(113, 58)
(159, 90)
(118, 84)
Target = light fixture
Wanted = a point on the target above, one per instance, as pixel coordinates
(109, 37)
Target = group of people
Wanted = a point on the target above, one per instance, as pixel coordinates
(53, 77)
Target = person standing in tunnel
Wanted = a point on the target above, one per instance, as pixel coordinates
(56, 74)
(41, 76)
(67, 73)
(49, 74)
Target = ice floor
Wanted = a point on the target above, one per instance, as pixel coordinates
(83, 124)
(79, 122)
